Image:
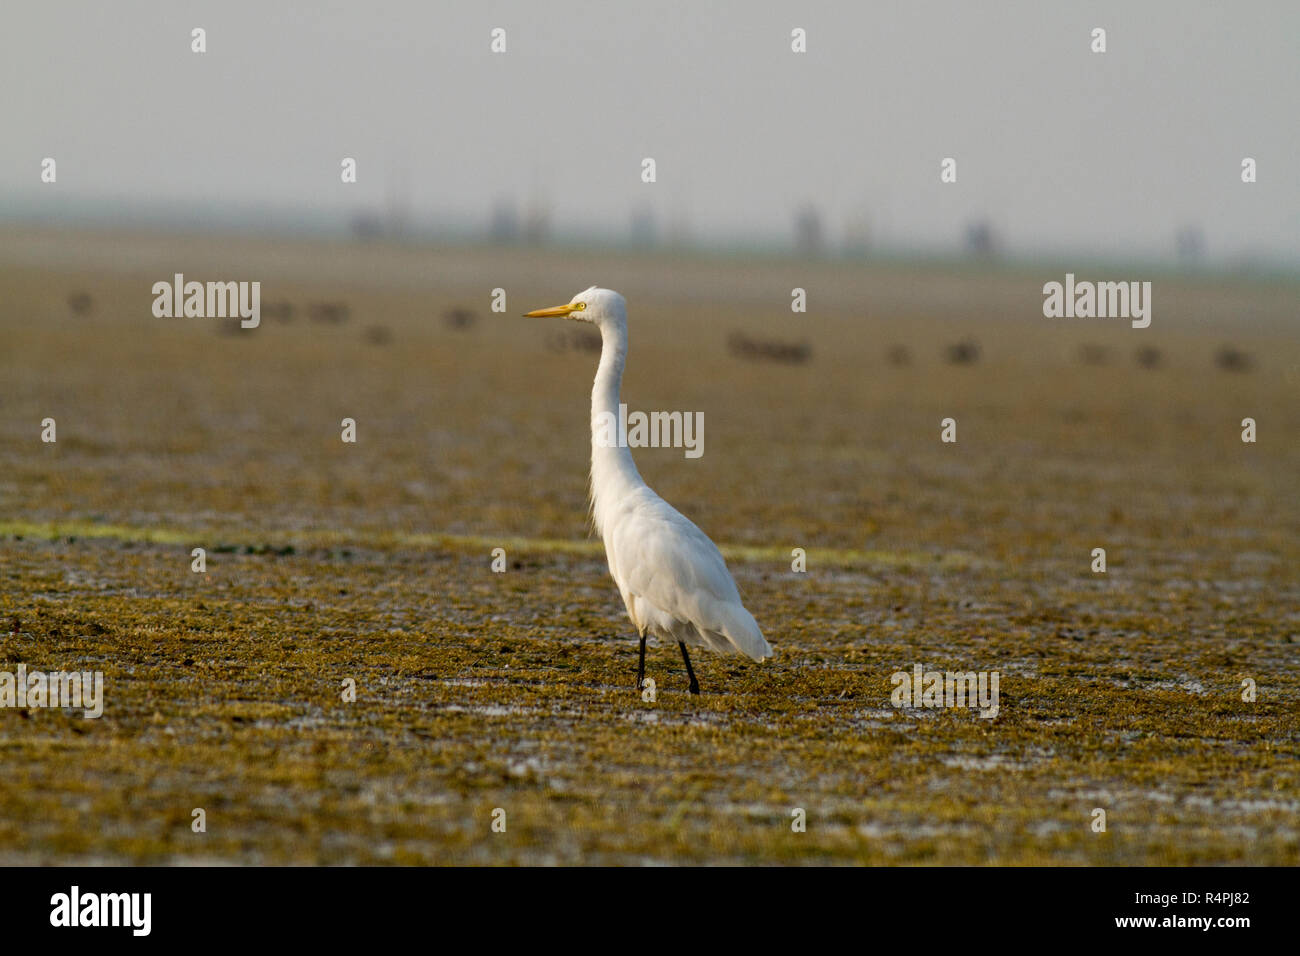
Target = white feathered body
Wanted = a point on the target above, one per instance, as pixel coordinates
(672, 577)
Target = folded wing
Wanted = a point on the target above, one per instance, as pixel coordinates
(675, 582)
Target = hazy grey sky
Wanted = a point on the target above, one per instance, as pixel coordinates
(1063, 149)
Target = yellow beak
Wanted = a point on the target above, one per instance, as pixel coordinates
(555, 310)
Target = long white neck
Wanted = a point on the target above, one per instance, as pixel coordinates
(613, 473)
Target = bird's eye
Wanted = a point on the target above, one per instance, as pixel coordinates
(580, 306)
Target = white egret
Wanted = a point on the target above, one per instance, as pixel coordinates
(673, 579)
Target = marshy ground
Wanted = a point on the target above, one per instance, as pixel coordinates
(475, 690)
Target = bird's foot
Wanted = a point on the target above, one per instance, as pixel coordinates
(695, 687)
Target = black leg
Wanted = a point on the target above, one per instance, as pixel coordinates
(640, 667)
(695, 685)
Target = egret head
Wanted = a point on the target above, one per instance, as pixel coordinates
(595, 305)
